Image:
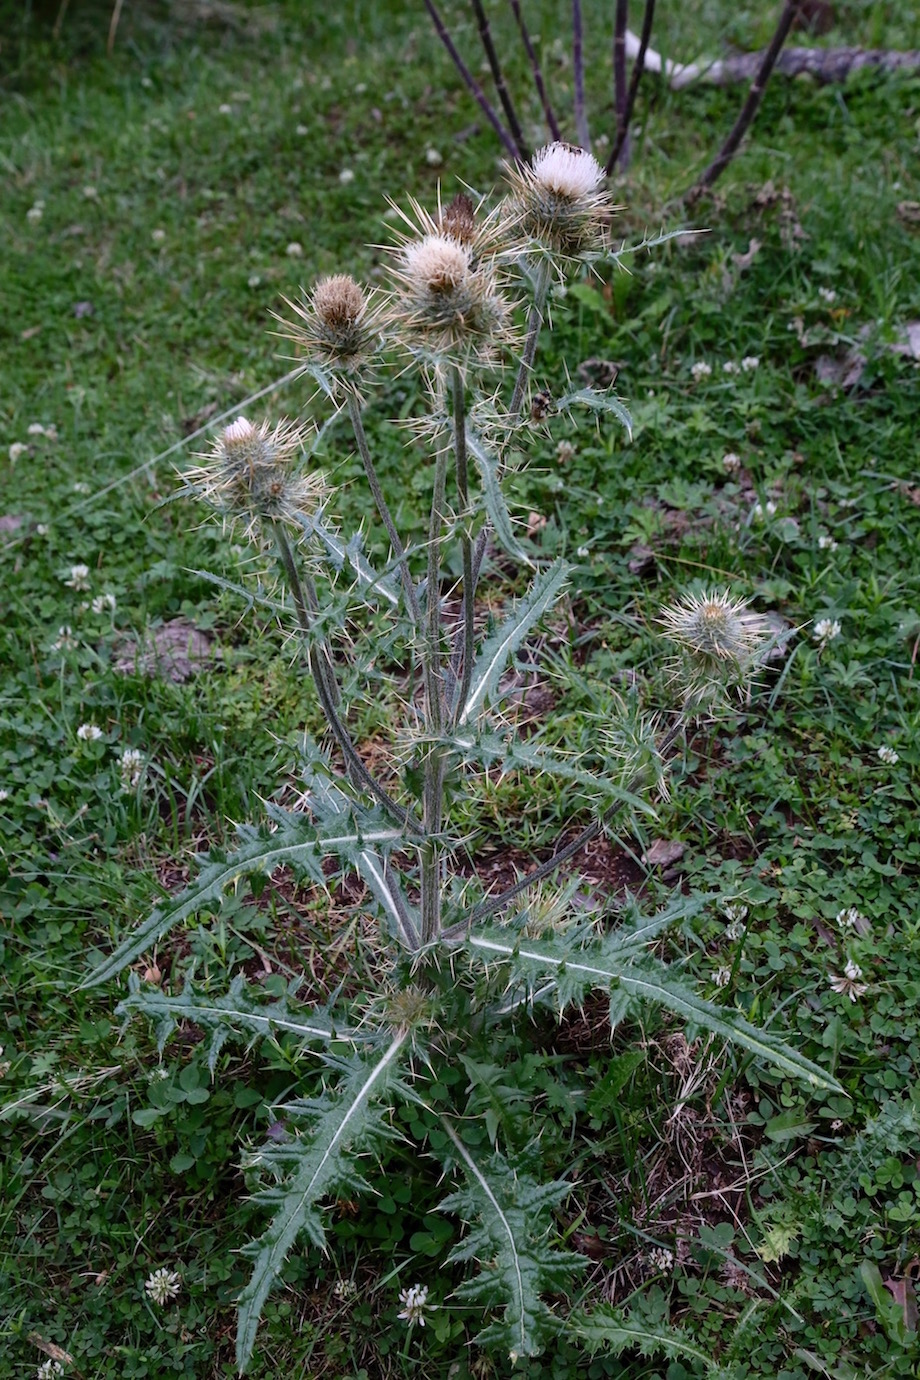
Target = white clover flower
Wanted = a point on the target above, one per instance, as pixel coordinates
(346, 175)
(826, 543)
(660, 1258)
(583, 553)
(850, 918)
(700, 370)
(35, 213)
(163, 1286)
(253, 280)
(433, 158)
(345, 1289)
(730, 367)
(414, 1301)
(103, 602)
(750, 363)
(35, 429)
(849, 985)
(79, 577)
(827, 294)
(4, 795)
(294, 250)
(81, 487)
(888, 755)
(91, 193)
(17, 450)
(565, 451)
(65, 640)
(158, 235)
(825, 630)
(736, 916)
(89, 733)
(722, 977)
(131, 766)
(761, 511)
(41, 529)
(51, 432)
(225, 109)
(731, 462)
(47, 1369)
(302, 130)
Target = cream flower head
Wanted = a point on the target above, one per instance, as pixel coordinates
(557, 202)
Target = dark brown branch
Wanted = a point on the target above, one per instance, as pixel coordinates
(619, 78)
(751, 104)
(470, 81)
(578, 73)
(549, 113)
(485, 37)
(638, 69)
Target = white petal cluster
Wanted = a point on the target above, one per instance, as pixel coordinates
(162, 1286)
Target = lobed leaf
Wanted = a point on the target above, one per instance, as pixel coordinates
(494, 654)
(342, 1122)
(510, 1217)
(608, 1328)
(493, 498)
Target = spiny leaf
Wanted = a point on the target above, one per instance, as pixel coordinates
(502, 644)
(234, 1012)
(295, 841)
(495, 749)
(493, 498)
(598, 402)
(620, 960)
(608, 1328)
(509, 1216)
(345, 1120)
(339, 552)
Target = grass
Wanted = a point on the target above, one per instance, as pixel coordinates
(137, 308)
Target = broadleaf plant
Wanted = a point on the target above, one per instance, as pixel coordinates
(455, 964)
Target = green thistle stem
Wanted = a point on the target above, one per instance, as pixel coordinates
(357, 422)
(321, 668)
(466, 632)
(435, 713)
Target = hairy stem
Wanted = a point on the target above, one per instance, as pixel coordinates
(357, 422)
(435, 712)
(469, 80)
(578, 71)
(751, 104)
(536, 72)
(466, 632)
(638, 69)
(323, 672)
(485, 37)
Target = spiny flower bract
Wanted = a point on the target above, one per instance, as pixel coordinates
(448, 300)
(557, 202)
(339, 328)
(250, 475)
(720, 640)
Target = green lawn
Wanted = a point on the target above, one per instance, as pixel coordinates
(158, 204)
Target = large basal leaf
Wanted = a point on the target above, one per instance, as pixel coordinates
(503, 643)
(609, 1329)
(294, 841)
(233, 1013)
(620, 960)
(346, 1120)
(493, 498)
(510, 1217)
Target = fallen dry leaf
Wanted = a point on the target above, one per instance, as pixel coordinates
(663, 852)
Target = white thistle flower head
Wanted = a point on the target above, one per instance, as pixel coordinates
(250, 475)
(888, 755)
(338, 326)
(449, 300)
(720, 641)
(415, 1302)
(163, 1286)
(557, 202)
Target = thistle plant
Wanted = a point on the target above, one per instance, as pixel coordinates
(456, 962)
